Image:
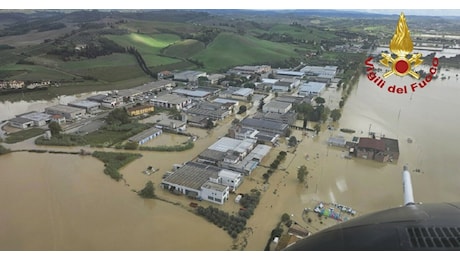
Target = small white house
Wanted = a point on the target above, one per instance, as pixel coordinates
(214, 192)
(230, 178)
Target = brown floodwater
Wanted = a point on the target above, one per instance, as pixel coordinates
(65, 202)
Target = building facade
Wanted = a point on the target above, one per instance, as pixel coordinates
(139, 110)
(70, 113)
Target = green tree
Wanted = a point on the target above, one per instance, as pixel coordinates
(302, 172)
(261, 104)
(118, 116)
(285, 217)
(306, 110)
(55, 128)
(335, 114)
(292, 141)
(131, 146)
(148, 191)
(320, 100)
(325, 113)
(288, 132)
(209, 123)
(317, 128)
(242, 109)
(203, 81)
(341, 103)
(249, 85)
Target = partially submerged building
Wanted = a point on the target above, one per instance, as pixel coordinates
(338, 141)
(145, 136)
(269, 127)
(381, 150)
(239, 155)
(311, 89)
(201, 181)
(214, 111)
(277, 107)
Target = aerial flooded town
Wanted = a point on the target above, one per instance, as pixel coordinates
(222, 130)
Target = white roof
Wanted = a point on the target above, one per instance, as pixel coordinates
(270, 81)
(36, 116)
(225, 143)
(290, 73)
(229, 174)
(225, 100)
(312, 87)
(277, 105)
(84, 103)
(243, 92)
(192, 93)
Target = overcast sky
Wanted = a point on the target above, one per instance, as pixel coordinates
(409, 7)
(430, 12)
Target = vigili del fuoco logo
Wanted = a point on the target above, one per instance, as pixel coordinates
(401, 62)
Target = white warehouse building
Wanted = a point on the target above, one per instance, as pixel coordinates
(312, 88)
(277, 107)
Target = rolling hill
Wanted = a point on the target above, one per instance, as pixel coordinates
(229, 49)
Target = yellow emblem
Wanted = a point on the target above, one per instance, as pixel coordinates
(401, 46)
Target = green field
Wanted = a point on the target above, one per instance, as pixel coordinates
(184, 49)
(230, 49)
(149, 47)
(308, 33)
(151, 27)
(23, 135)
(34, 73)
(110, 68)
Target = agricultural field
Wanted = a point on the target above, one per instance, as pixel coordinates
(34, 73)
(302, 33)
(229, 49)
(155, 27)
(148, 46)
(39, 47)
(184, 49)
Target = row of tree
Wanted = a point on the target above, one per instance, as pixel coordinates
(274, 165)
(141, 62)
(94, 49)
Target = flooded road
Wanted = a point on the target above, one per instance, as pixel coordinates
(65, 202)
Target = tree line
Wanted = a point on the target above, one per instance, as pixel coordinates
(141, 61)
(93, 49)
